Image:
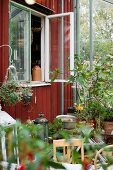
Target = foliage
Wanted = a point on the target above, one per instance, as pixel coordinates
(34, 153)
(95, 85)
(55, 128)
(102, 24)
(54, 74)
(27, 94)
(93, 110)
(12, 92)
(108, 115)
(27, 91)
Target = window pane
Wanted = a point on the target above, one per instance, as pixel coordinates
(84, 29)
(59, 47)
(19, 41)
(103, 28)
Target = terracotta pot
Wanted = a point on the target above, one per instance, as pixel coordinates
(36, 73)
(108, 127)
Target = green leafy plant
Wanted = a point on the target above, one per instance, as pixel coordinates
(108, 115)
(27, 94)
(55, 129)
(33, 152)
(94, 85)
(10, 92)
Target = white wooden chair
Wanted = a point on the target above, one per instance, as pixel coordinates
(68, 147)
(67, 150)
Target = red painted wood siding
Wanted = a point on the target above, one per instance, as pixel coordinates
(48, 3)
(45, 99)
(4, 29)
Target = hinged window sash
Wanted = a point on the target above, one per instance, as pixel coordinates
(59, 46)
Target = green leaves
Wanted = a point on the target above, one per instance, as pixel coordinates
(12, 92)
(9, 92)
(94, 85)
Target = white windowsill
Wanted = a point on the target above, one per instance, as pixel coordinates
(36, 84)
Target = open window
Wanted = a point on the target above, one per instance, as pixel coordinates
(59, 46)
(40, 40)
(26, 40)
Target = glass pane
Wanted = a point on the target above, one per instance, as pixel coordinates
(19, 41)
(84, 29)
(103, 28)
(59, 37)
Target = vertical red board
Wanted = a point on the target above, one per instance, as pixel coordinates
(4, 30)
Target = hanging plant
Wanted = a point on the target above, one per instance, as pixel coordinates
(27, 95)
(10, 92)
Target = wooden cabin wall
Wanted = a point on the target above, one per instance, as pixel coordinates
(48, 3)
(46, 99)
(4, 30)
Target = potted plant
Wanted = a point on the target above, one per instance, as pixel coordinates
(27, 94)
(55, 129)
(94, 86)
(108, 121)
(93, 113)
(10, 92)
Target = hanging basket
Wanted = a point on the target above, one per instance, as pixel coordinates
(10, 93)
(10, 90)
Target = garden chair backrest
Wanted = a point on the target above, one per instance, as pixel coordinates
(67, 147)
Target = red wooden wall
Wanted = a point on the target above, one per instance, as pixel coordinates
(45, 99)
(4, 29)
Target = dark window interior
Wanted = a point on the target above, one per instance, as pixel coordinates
(35, 41)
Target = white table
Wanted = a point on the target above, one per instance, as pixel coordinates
(72, 166)
(69, 167)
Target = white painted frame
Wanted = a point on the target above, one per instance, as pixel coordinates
(47, 45)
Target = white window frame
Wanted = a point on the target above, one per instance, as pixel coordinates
(47, 45)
